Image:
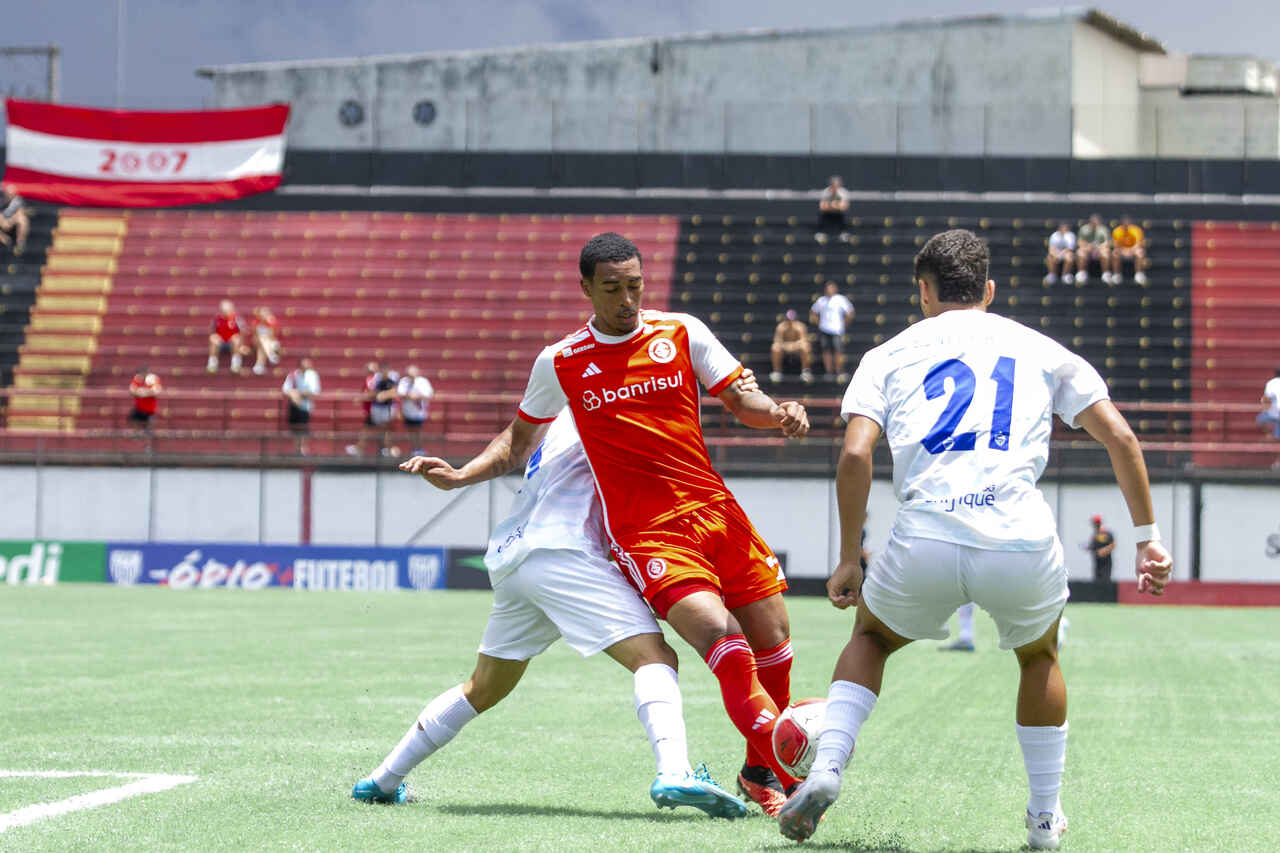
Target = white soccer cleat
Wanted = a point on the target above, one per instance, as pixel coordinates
(1045, 830)
(1140, 277)
(800, 814)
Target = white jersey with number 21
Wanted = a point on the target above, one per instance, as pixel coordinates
(966, 400)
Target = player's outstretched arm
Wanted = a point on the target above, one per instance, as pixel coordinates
(757, 409)
(508, 451)
(1104, 422)
(853, 485)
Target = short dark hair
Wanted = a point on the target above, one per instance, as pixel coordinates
(957, 262)
(606, 248)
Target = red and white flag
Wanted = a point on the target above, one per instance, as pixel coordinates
(123, 158)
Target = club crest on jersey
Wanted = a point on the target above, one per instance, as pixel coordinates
(655, 568)
(662, 350)
(591, 401)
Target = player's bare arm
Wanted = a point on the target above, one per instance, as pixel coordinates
(759, 411)
(508, 451)
(1105, 423)
(853, 485)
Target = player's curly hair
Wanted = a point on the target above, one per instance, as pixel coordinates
(606, 248)
(956, 262)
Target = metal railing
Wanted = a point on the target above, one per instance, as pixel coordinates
(251, 428)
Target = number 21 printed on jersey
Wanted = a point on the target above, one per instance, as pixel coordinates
(942, 437)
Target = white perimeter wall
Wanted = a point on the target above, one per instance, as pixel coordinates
(797, 516)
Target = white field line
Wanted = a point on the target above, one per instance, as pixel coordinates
(143, 783)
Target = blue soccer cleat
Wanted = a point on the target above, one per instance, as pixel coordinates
(367, 791)
(696, 789)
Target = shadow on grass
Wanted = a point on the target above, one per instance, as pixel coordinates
(854, 844)
(526, 810)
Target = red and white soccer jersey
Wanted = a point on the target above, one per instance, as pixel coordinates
(636, 404)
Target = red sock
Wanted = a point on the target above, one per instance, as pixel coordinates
(745, 699)
(773, 668)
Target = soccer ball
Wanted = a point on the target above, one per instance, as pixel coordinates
(795, 735)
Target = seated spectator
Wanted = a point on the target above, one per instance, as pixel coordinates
(1127, 241)
(1093, 250)
(1062, 255)
(415, 393)
(300, 389)
(225, 338)
(832, 205)
(264, 336)
(15, 223)
(1270, 414)
(791, 350)
(829, 314)
(145, 388)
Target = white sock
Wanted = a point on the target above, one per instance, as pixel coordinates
(661, 712)
(443, 718)
(235, 362)
(213, 362)
(848, 706)
(1044, 751)
(964, 620)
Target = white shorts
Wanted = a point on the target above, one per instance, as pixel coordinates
(561, 593)
(914, 585)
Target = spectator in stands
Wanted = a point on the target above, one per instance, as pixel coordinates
(264, 334)
(225, 338)
(415, 392)
(832, 205)
(1062, 255)
(379, 405)
(1102, 543)
(300, 389)
(15, 222)
(1270, 414)
(791, 349)
(1093, 249)
(830, 314)
(145, 388)
(1127, 245)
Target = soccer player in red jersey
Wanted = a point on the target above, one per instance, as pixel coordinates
(630, 379)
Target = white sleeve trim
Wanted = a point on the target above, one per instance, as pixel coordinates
(712, 361)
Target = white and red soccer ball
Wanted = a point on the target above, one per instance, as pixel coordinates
(795, 735)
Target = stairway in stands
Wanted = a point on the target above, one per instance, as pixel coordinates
(469, 298)
(1236, 288)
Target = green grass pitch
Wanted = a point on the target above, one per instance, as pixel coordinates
(279, 700)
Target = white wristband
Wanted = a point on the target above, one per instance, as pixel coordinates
(1147, 532)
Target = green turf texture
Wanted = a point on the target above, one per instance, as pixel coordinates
(279, 700)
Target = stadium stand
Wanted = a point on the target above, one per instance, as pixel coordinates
(470, 298)
(1236, 270)
(742, 274)
(19, 277)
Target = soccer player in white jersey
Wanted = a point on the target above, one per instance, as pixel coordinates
(551, 578)
(966, 400)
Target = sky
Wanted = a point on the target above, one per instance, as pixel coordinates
(166, 40)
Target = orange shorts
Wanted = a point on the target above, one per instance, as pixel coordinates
(713, 547)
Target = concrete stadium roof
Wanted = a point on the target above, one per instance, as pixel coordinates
(1093, 17)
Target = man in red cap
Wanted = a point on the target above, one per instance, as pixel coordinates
(1102, 543)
